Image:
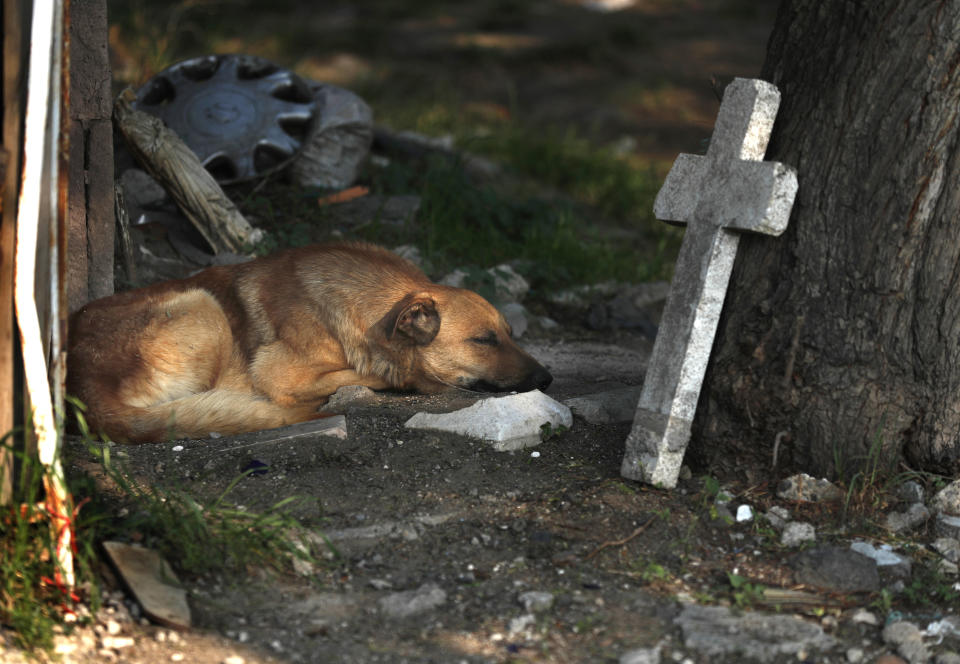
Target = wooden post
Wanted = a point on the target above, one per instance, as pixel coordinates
(14, 60)
(90, 221)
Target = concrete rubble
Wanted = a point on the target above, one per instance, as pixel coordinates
(510, 423)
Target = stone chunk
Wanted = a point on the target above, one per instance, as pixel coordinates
(508, 284)
(778, 517)
(152, 582)
(805, 488)
(640, 656)
(140, 191)
(948, 547)
(346, 396)
(516, 315)
(885, 557)
(901, 522)
(536, 600)
(723, 636)
(412, 602)
(947, 500)
(911, 492)
(947, 526)
(610, 407)
(796, 533)
(907, 638)
(836, 569)
(338, 140)
(510, 423)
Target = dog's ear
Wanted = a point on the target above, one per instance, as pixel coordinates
(414, 318)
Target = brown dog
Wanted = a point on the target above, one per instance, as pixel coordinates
(264, 343)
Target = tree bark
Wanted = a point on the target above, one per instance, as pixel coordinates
(841, 339)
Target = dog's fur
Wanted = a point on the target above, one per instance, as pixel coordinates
(264, 343)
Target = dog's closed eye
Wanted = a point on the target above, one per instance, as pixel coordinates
(487, 339)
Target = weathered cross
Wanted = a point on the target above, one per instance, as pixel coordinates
(728, 190)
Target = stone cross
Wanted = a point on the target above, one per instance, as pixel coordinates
(728, 190)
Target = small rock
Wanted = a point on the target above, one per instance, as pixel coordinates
(140, 192)
(535, 601)
(234, 659)
(152, 581)
(901, 522)
(348, 395)
(744, 514)
(948, 568)
(610, 407)
(508, 285)
(409, 252)
(908, 640)
(722, 635)
(512, 422)
(778, 517)
(520, 623)
(380, 584)
(855, 655)
(627, 310)
(516, 316)
(947, 658)
(580, 296)
(338, 139)
(835, 568)
(116, 642)
(805, 488)
(947, 525)
(864, 617)
(885, 557)
(412, 602)
(796, 533)
(911, 492)
(641, 656)
(948, 547)
(947, 500)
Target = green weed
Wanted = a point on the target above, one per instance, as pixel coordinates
(930, 587)
(548, 431)
(874, 474)
(654, 572)
(201, 537)
(745, 593)
(33, 597)
(463, 223)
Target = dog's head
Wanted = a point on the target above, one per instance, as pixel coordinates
(458, 339)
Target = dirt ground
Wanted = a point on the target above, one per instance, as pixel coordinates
(440, 525)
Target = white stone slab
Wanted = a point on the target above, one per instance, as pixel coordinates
(510, 423)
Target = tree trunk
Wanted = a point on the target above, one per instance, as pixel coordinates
(841, 339)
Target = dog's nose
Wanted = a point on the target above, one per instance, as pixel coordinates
(541, 378)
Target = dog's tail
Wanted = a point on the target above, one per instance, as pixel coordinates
(221, 411)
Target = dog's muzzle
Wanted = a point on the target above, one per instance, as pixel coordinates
(538, 379)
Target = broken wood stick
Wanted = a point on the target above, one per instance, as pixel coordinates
(172, 163)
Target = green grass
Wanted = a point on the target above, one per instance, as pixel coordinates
(467, 224)
(200, 537)
(33, 599)
(196, 537)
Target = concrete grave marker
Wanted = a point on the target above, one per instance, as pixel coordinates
(727, 191)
